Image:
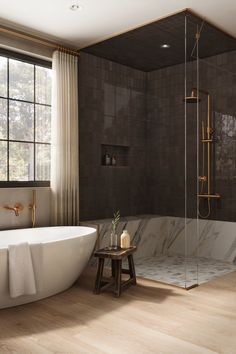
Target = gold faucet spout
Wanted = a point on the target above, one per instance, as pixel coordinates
(17, 208)
(16, 211)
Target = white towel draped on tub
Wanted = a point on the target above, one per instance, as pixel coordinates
(37, 259)
(21, 270)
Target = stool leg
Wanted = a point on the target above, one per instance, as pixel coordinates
(118, 265)
(99, 276)
(113, 268)
(132, 269)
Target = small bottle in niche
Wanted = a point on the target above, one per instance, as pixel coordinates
(113, 160)
(107, 159)
(125, 239)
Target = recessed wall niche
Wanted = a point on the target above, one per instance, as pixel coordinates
(114, 155)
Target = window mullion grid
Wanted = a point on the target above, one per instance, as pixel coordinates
(25, 101)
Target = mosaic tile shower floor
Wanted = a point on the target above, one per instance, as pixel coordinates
(171, 269)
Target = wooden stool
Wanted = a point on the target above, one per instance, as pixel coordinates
(115, 280)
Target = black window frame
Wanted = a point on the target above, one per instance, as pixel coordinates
(36, 62)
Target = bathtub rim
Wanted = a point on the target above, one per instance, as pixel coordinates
(91, 233)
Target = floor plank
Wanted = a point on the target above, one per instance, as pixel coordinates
(149, 318)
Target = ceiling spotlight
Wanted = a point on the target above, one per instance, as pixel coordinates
(75, 6)
(165, 45)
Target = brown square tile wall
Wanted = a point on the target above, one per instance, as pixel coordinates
(145, 112)
(165, 147)
(166, 137)
(112, 109)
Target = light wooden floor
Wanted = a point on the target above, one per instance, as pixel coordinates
(148, 318)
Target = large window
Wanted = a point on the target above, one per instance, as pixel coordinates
(25, 120)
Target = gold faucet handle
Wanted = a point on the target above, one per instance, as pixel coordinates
(32, 206)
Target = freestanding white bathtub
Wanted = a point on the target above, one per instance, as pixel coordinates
(64, 250)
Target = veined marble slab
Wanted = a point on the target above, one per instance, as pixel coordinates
(174, 250)
(165, 235)
(204, 238)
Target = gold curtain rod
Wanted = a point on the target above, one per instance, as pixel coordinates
(67, 50)
(38, 40)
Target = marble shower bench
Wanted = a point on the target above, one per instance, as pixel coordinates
(156, 235)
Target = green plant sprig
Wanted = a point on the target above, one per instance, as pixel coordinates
(115, 221)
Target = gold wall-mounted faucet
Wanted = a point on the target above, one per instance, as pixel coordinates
(17, 208)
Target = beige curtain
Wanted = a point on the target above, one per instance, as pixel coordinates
(65, 145)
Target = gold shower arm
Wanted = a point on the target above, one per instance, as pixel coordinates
(194, 89)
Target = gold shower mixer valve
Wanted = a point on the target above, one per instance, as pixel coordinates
(202, 178)
(210, 130)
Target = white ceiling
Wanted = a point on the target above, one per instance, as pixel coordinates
(101, 19)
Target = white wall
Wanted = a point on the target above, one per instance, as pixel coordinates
(11, 196)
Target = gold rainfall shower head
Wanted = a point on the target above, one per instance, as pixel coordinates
(193, 98)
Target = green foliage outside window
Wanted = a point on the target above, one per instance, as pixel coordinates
(25, 121)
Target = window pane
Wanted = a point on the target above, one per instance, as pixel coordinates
(3, 76)
(43, 123)
(43, 85)
(21, 162)
(21, 121)
(21, 80)
(3, 161)
(28, 122)
(43, 153)
(3, 118)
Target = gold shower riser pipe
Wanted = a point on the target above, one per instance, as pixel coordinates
(208, 140)
(209, 144)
